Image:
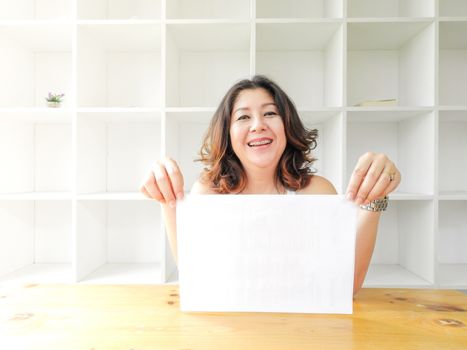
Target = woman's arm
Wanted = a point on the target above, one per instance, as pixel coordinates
(165, 184)
(367, 227)
(374, 177)
(170, 218)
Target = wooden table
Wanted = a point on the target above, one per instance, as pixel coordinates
(148, 317)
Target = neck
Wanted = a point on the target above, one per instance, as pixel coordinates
(261, 181)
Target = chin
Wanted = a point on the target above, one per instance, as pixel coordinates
(262, 163)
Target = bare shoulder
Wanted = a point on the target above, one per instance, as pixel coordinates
(200, 187)
(318, 185)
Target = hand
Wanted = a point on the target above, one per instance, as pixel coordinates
(164, 183)
(374, 177)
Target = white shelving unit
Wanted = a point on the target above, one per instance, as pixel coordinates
(298, 55)
(38, 150)
(113, 149)
(452, 269)
(452, 8)
(203, 59)
(185, 133)
(31, 64)
(392, 8)
(119, 65)
(36, 241)
(407, 137)
(118, 241)
(119, 9)
(299, 9)
(142, 80)
(207, 9)
(330, 145)
(452, 146)
(391, 60)
(36, 10)
(452, 63)
(404, 253)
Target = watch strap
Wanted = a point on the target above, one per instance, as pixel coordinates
(376, 205)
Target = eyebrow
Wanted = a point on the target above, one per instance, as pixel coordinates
(263, 105)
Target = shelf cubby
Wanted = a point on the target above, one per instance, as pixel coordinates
(36, 241)
(390, 8)
(404, 251)
(299, 8)
(452, 63)
(451, 243)
(38, 152)
(35, 10)
(406, 137)
(452, 148)
(119, 65)
(204, 60)
(452, 8)
(36, 64)
(114, 151)
(118, 242)
(119, 9)
(330, 126)
(208, 9)
(298, 55)
(391, 60)
(185, 133)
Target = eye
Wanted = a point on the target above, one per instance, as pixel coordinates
(270, 113)
(243, 117)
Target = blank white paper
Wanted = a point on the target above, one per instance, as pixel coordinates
(266, 253)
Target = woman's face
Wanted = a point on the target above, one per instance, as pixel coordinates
(256, 129)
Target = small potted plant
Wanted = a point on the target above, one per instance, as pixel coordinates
(54, 100)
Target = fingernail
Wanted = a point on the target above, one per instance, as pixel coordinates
(180, 195)
(172, 204)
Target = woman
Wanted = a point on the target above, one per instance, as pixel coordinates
(256, 144)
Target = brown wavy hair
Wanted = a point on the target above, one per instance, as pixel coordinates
(223, 170)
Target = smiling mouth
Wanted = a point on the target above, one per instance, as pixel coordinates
(259, 143)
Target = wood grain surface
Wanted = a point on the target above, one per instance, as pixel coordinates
(148, 317)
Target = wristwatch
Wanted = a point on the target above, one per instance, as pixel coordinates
(379, 204)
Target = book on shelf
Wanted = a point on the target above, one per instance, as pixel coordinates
(377, 103)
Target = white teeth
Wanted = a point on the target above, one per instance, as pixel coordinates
(259, 143)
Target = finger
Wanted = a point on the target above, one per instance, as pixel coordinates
(381, 186)
(152, 189)
(358, 175)
(370, 179)
(176, 177)
(163, 182)
(144, 191)
(394, 183)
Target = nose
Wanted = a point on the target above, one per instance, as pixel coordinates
(257, 123)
